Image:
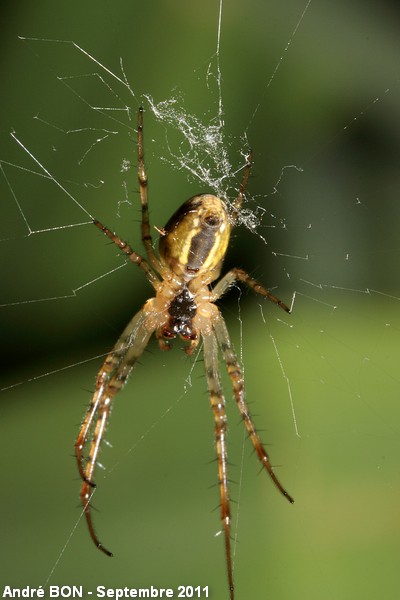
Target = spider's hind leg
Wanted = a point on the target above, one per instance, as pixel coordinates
(132, 255)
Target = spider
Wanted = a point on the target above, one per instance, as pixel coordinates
(192, 247)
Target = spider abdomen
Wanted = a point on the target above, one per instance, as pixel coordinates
(196, 238)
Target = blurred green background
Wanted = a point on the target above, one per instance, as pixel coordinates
(332, 109)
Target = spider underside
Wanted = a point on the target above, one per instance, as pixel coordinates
(191, 251)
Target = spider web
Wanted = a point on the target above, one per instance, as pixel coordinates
(320, 219)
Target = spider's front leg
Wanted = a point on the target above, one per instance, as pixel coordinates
(110, 380)
(218, 407)
(236, 376)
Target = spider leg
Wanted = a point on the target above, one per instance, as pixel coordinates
(239, 200)
(143, 183)
(111, 378)
(236, 375)
(218, 407)
(134, 257)
(240, 275)
(110, 366)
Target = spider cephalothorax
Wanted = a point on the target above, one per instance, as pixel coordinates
(192, 248)
(181, 311)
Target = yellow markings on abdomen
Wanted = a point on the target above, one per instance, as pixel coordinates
(196, 238)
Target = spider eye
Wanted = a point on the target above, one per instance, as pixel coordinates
(196, 238)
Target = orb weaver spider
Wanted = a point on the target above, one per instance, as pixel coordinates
(191, 251)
